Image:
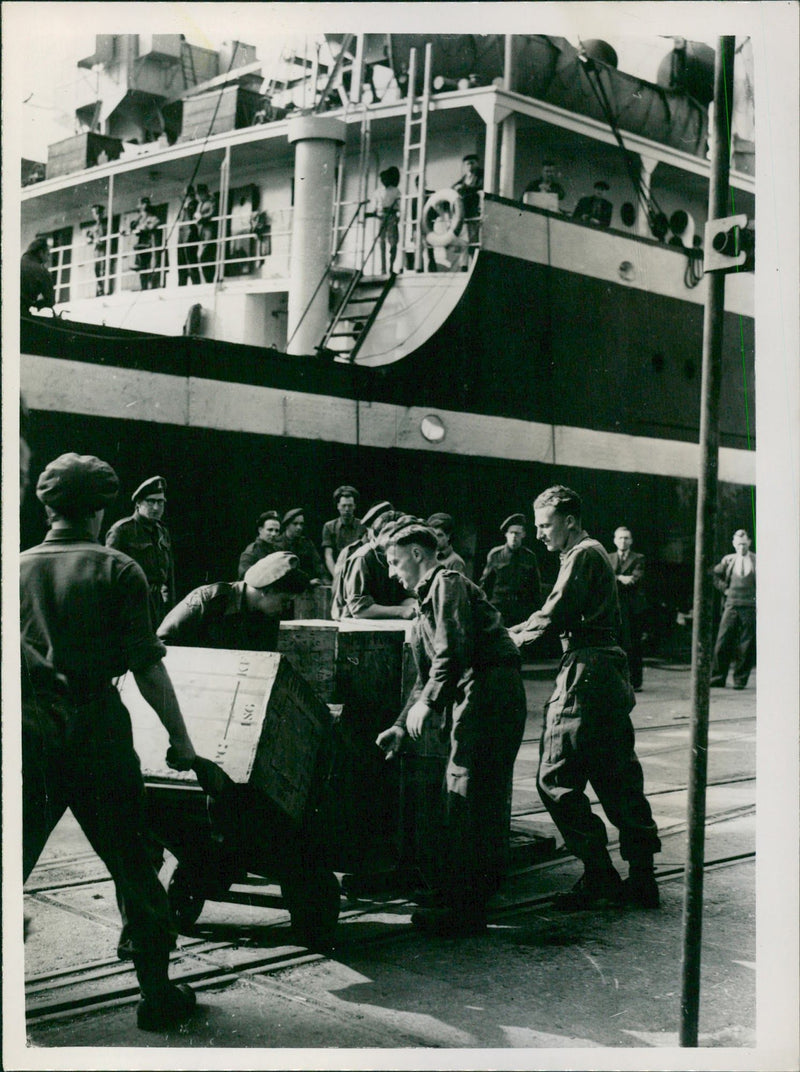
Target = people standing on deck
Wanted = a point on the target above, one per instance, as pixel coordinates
(344, 529)
(469, 685)
(206, 232)
(145, 537)
(97, 236)
(443, 527)
(469, 188)
(628, 567)
(735, 576)
(595, 208)
(146, 230)
(267, 541)
(588, 735)
(36, 283)
(386, 207)
(85, 621)
(244, 614)
(188, 236)
(511, 579)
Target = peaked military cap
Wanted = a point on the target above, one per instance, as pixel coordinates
(280, 566)
(77, 484)
(292, 515)
(514, 519)
(154, 485)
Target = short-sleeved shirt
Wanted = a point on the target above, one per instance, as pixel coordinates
(216, 616)
(84, 611)
(337, 534)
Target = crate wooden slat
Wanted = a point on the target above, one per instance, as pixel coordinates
(310, 646)
(251, 712)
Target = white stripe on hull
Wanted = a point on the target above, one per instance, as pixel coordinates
(59, 385)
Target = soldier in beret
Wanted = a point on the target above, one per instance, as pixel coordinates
(469, 685)
(242, 615)
(267, 541)
(511, 575)
(85, 621)
(145, 537)
(366, 589)
(296, 541)
(342, 530)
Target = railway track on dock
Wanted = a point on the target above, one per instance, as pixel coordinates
(251, 934)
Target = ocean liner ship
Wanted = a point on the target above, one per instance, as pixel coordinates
(270, 342)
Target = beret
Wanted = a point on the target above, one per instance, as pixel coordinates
(345, 489)
(77, 484)
(441, 521)
(275, 567)
(292, 515)
(601, 185)
(374, 512)
(515, 519)
(154, 485)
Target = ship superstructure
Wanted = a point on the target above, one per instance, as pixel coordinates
(511, 336)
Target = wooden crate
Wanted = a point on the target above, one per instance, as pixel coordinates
(369, 673)
(249, 711)
(310, 646)
(226, 109)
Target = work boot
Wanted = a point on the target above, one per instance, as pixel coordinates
(640, 889)
(592, 890)
(163, 1004)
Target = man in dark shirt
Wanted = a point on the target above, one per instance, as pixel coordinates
(511, 575)
(342, 530)
(546, 183)
(595, 209)
(240, 615)
(145, 537)
(36, 283)
(296, 541)
(84, 622)
(367, 590)
(267, 542)
(588, 734)
(469, 686)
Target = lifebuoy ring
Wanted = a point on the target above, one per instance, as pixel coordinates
(443, 202)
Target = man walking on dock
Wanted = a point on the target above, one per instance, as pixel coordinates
(588, 734)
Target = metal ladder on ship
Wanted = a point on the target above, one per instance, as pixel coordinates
(363, 298)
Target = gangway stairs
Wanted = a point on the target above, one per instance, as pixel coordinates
(355, 314)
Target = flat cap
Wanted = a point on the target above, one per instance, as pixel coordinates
(77, 484)
(409, 530)
(514, 519)
(292, 515)
(151, 488)
(374, 512)
(280, 566)
(345, 489)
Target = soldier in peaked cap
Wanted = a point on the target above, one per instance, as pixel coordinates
(469, 686)
(85, 621)
(145, 537)
(511, 576)
(343, 530)
(242, 615)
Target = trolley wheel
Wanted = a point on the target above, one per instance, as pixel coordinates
(185, 899)
(313, 899)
